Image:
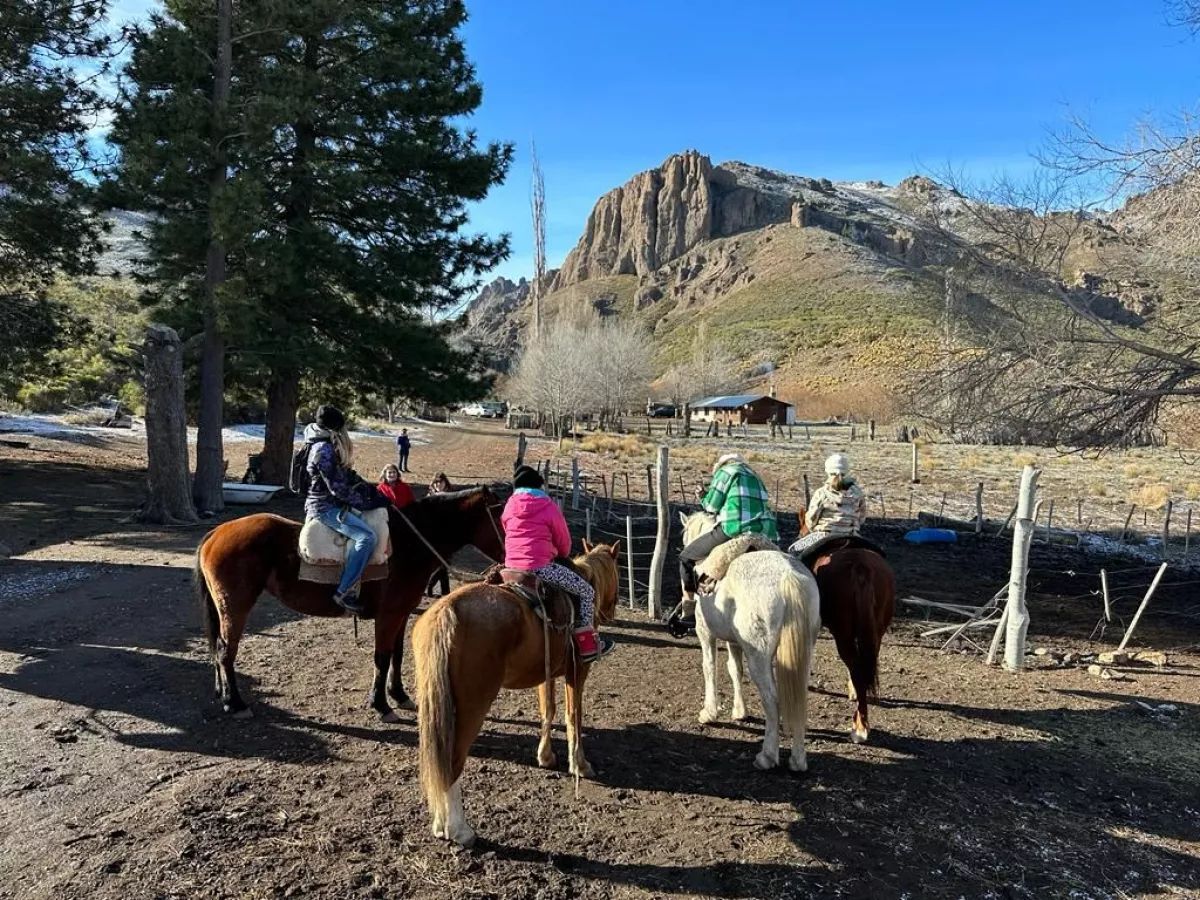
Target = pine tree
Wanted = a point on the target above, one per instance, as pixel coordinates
(47, 104)
(343, 214)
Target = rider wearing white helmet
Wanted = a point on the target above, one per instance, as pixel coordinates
(839, 506)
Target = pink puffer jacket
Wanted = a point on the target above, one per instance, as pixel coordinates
(535, 531)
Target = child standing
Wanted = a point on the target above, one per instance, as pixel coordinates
(391, 486)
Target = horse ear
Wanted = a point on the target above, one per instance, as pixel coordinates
(683, 518)
(615, 550)
(587, 546)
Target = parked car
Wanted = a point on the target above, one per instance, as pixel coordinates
(661, 411)
(488, 409)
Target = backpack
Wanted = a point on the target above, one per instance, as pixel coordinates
(298, 478)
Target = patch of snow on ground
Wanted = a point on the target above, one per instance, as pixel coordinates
(20, 585)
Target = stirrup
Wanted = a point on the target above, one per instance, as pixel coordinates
(679, 625)
(350, 601)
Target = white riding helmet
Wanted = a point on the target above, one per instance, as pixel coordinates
(837, 464)
(727, 458)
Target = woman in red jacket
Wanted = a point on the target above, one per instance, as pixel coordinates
(397, 492)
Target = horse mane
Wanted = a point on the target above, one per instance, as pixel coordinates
(604, 579)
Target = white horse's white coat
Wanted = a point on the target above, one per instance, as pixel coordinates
(768, 610)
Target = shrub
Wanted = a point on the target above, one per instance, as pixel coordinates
(1151, 496)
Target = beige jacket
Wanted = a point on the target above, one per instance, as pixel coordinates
(837, 512)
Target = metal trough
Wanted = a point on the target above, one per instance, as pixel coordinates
(249, 494)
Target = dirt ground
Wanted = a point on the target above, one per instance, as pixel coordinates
(120, 777)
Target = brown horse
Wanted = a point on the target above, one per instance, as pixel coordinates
(476, 641)
(858, 599)
(240, 559)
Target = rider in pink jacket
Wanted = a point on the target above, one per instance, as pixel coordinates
(535, 534)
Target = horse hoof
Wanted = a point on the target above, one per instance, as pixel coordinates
(708, 716)
(390, 718)
(584, 771)
(405, 703)
(464, 837)
(858, 735)
(798, 762)
(439, 831)
(739, 715)
(549, 761)
(765, 762)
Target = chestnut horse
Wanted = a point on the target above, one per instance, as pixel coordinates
(858, 599)
(240, 559)
(467, 647)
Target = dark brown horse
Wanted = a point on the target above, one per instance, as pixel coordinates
(858, 599)
(239, 560)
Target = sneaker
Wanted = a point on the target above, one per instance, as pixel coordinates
(591, 646)
(350, 601)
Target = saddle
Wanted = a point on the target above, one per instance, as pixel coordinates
(835, 542)
(555, 606)
(323, 551)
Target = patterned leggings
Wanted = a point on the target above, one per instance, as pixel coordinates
(562, 577)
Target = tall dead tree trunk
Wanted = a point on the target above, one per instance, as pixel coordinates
(283, 400)
(169, 501)
(210, 453)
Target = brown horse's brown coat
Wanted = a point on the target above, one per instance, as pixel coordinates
(243, 558)
(858, 598)
(468, 646)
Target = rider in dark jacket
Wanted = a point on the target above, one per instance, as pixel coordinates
(335, 495)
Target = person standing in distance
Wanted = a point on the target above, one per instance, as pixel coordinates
(403, 445)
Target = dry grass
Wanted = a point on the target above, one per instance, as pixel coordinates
(621, 446)
(1151, 496)
(1192, 491)
(1021, 460)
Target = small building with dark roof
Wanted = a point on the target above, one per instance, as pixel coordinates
(743, 409)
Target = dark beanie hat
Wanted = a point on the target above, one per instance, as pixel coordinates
(527, 477)
(330, 418)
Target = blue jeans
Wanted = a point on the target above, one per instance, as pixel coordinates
(362, 544)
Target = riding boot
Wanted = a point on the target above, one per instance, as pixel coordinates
(350, 601)
(683, 617)
(591, 646)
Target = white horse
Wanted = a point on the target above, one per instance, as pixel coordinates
(767, 609)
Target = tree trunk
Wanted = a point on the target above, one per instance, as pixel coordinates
(210, 455)
(169, 501)
(283, 399)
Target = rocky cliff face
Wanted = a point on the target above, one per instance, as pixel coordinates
(661, 214)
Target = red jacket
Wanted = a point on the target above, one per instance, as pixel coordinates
(398, 493)
(535, 531)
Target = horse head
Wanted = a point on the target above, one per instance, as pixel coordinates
(696, 524)
(599, 565)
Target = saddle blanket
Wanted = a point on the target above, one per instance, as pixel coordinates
(320, 545)
(718, 562)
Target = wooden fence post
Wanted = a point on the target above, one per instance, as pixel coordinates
(659, 560)
(1104, 589)
(587, 524)
(1125, 527)
(1187, 534)
(629, 558)
(649, 484)
(1049, 519)
(916, 473)
(1018, 614)
(574, 482)
(687, 420)
(521, 446)
(871, 428)
(807, 494)
(979, 509)
(1167, 529)
(1142, 608)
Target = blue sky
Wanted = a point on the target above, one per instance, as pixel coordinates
(861, 90)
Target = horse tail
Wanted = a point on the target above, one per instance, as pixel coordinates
(433, 637)
(208, 609)
(792, 657)
(865, 671)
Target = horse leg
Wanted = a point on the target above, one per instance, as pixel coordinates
(233, 624)
(848, 652)
(736, 666)
(763, 675)
(798, 760)
(546, 704)
(395, 683)
(471, 705)
(578, 763)
(708, 660)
